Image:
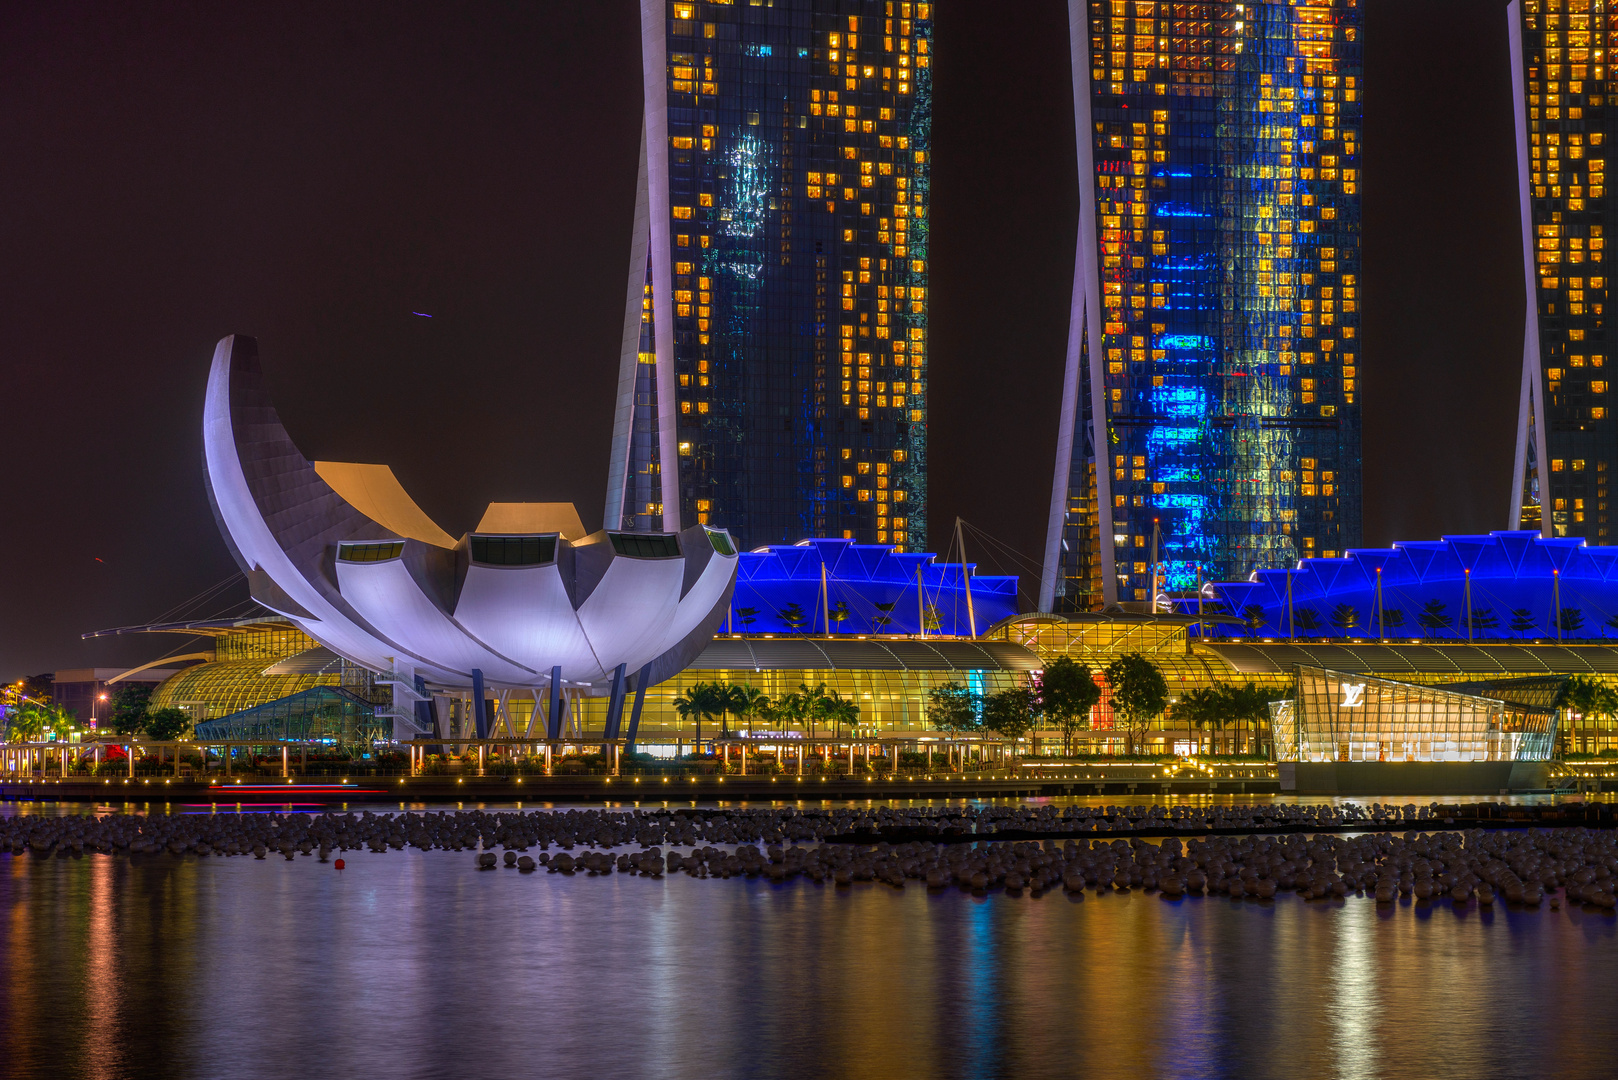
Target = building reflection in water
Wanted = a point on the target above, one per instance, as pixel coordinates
(416, 965)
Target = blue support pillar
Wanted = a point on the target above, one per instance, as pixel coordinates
(554, 729)
(480, 710)
(615, 702)
(634, 713)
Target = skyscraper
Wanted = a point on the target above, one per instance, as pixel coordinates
(777, 295)
(1567, 436)
(1213, 358)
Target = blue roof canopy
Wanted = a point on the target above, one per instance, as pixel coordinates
(869, 589)
(1508, 585)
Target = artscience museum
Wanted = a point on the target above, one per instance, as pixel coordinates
(526, 602)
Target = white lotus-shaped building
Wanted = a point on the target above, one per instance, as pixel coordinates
(525, 602)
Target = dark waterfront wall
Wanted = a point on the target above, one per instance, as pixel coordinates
(1412, 777)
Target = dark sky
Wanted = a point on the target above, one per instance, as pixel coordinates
(313, 173)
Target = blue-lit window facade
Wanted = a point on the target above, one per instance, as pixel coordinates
(798, 206)
(1224, 152)
(1568, 435)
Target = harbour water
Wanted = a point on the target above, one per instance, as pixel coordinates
(413, 964)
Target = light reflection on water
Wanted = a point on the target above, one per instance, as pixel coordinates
(413, 964)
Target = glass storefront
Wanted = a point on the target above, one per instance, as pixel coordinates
(1344, 717)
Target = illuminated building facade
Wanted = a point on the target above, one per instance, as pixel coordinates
(1500, 586)
(840, 587)
(777, 299)
(1213, 354)
(1567, 437)
(1340, 716)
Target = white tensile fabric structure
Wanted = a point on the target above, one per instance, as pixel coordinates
(526, 601)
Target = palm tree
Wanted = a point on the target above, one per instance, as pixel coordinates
(885, 618)
(1195, 709)
(693, 705)
(61, 722)
(788, 709)
(846, 712)
(1606, 702)
(729, 698)
(814, 704)
(833, 708)
(28, 723)
(1221, 713)
(1587, 698)
(753, 702)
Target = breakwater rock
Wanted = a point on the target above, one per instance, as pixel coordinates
(1524, 867)
(290, 834)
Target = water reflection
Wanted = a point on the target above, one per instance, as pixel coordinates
(413, 965)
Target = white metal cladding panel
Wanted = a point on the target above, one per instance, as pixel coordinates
(705, 594)
(525, 613)
(251, 534)
(628, 615)
(388, 598)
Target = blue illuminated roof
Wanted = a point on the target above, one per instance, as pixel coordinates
(1516, 585)
(869, 589)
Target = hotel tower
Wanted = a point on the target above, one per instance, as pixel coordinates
(774, 367)
(1210, 410)
(1567, 436)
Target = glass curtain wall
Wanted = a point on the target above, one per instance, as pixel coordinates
(1342, 717)
(798, 176)
(1560, 48)
(1224, 157)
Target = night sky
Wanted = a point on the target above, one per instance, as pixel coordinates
(312, 174)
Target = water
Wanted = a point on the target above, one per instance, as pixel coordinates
(412, 964)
